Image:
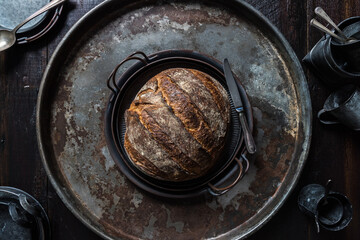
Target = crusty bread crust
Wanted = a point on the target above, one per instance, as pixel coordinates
(176, 125)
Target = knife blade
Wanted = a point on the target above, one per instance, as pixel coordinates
(236, 98)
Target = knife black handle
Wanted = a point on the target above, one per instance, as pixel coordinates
(249, 140)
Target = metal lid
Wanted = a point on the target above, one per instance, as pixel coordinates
(22, 216)
(15, 11)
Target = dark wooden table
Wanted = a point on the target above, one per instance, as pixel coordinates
(334, 153)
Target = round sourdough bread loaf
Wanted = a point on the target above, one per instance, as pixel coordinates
(176, 125)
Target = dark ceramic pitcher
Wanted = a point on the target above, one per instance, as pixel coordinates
(342, 106)
(335, 63)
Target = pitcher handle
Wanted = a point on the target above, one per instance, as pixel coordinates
(320, 117)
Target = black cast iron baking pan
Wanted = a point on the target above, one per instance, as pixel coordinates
(124, 92)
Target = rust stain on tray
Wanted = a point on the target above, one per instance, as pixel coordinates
(77, 122)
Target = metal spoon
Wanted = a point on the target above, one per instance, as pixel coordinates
(321, 13)
(8, 38)
(321, 27)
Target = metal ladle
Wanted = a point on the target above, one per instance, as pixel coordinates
(8, 38)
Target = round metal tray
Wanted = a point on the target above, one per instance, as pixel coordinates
(73, 97)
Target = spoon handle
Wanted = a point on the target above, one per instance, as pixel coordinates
(321, 13)
(45, 8)
(321, 27)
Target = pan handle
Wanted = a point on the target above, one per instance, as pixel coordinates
(111, 81)
(216, 191)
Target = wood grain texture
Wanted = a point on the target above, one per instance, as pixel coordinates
(334, 153)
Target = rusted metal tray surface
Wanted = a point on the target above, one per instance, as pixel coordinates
(73, 97)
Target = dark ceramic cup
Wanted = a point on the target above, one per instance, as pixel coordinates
(342, 106)
(332, 212)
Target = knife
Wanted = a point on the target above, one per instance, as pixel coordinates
(235, 96)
